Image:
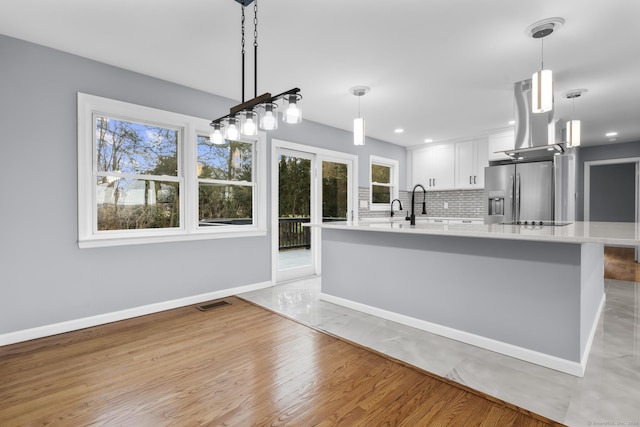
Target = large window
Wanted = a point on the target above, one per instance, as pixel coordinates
(225, 182)
(137, 179)
(147, 175)
(384, 182)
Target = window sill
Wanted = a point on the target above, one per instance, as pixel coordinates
(108, 241)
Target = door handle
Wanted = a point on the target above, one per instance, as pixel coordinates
(474, 179)
(469, 179)
(517, 216)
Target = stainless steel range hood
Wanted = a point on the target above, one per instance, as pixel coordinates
(536, 134)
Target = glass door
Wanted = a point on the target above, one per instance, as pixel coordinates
(336, 191)
(295, 255)
(309, 185)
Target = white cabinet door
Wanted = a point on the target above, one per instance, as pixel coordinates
(443, 157)
(465, 164)
(421, 167)
(471, 159)
(433, 167)
(501, 142)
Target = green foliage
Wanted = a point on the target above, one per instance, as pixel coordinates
(294, 187)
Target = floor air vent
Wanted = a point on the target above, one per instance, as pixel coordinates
(211, 306)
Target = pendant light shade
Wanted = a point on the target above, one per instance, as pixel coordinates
(572, 136)
(292, 113)
(358, 131)
(249, 123)
(573, 133)
(232, 129)
(216, 136)
(269, 116)
(358, 123)
(542, 91)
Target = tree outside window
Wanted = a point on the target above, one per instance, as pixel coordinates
(384, 179)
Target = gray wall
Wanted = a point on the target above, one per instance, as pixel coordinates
(600, 152)
(46, 279)
(613, 193)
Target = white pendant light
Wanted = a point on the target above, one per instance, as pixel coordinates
(572, 136)
(232, 129)
(249, 125)
(358, 131)
(542, 81)
(358, 123)
(292, 112)
(573, 133)
(216, 136)
(269, 116)
(542, 91)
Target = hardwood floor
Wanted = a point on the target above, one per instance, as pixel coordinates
(236, 365)
(620, 264)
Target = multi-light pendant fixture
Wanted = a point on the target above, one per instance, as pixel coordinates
(572, 137)
(261, 111)
(358, 123)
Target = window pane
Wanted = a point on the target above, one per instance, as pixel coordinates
(134, 148)
(334, 191)
(225, 204)
(380, 173)
(231, 161)
(380, 194)
(126, 204)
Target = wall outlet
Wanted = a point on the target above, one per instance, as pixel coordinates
(446, 205)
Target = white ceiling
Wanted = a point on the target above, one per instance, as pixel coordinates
(440, 69)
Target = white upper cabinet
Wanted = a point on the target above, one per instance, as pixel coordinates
(501, 142)
(433, 167)
(471, 157)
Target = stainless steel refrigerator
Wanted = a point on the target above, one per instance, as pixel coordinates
(519, 193)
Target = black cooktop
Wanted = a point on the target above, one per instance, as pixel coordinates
(538, 223)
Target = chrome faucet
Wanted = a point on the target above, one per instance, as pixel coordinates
(412, 218)
(399, 205)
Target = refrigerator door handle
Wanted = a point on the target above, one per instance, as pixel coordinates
(517, 200)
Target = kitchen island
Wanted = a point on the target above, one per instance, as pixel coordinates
(530, 292)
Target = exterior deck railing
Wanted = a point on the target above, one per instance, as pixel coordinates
(292, 234)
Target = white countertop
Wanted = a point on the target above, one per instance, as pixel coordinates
(611, 233)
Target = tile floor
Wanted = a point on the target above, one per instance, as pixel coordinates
(608, 394)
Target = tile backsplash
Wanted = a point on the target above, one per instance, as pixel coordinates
(461, 204)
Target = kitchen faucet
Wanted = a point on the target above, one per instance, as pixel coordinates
(412, 218)
(399, 205)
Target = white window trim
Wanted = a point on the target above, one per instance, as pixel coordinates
(394, 176)
(88, 237)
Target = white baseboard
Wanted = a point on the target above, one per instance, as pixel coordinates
(594, 327)
(563, 365)
(101, 319)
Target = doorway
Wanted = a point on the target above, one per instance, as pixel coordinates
(612, 194)
(309, 185)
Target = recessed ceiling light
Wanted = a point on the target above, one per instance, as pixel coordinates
(428, 140)
(399, 130)
(611, 134)
(512, 122)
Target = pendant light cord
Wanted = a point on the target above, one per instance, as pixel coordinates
(542, 52)
(255, 48)
(243, 51)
